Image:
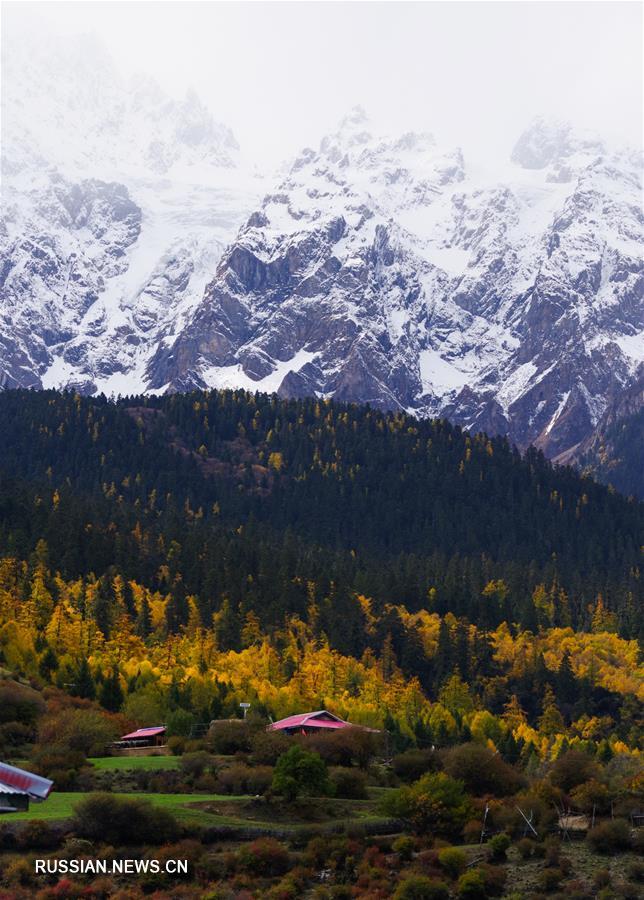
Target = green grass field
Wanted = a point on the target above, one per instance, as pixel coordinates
(218, 809)
(60, 805)
(134, 763)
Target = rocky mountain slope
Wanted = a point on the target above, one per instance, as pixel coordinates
(117, 202)
(136, 255)
(386, 271)
(612, 452)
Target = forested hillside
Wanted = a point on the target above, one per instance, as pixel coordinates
(614, 456)
(307, 552)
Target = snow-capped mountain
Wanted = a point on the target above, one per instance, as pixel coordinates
(386, 271)
(136, 254)
(117, 203)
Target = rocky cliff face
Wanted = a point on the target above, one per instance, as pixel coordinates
(612, 452)
(136, 254)
(117, 202)
(383, 271)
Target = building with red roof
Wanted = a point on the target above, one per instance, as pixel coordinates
(312, 723)
(154, 736)
(18, 787)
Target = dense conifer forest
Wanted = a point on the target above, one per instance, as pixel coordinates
(196, 489)
(236, 515)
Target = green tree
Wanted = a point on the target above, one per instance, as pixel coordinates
(110, 694)
(299, 771)
(551, 721)
(435, 803)
(84, 684)
(566, 681)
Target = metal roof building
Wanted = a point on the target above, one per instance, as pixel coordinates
(18, 787)
(308, 723)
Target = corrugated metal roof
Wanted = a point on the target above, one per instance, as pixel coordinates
(18, 780)
(311, 718)
(144, 732)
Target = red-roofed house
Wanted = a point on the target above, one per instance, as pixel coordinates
(312, 722)
(153, 736)
(18, 787)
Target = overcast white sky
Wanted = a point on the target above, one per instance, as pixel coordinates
(282, 73)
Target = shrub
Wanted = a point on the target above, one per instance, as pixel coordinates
(64, 779)
(268, 746)
(298, 771)
(47, 760)
(573, 768)
(602, 878)
(610, 836)
(472, 884)
(195, 764)
(550, 878)
(233, 779)
(14, 734)
(242, 779)
(292, 886)
(85, 730)
(552, 851)
(206, 784)
(349, 783)
(37, 835)
(18, 871)
(343, 747)
(176, 745)
(231, 737)
(265, 856)
(259, 779)
(123, 820)
(404, 846)
(591, 794)
(494, 877)
(452, 860)
(482, 771)
(499, 845)
(413, 764)
(472, 831)
(435, 802)
(419, 887)
(19, 703)
(335, 850)
(636, 871)
(525, 847)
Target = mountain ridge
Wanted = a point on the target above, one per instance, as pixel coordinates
(376, 269)
(458, 320)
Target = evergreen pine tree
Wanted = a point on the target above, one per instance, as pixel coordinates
(110, 694)
(84, 685)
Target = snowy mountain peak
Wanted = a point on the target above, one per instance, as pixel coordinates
(356, 118)
(380, 270)
(68, 105)
(138, 253)
(549, 141)
(117, 203)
